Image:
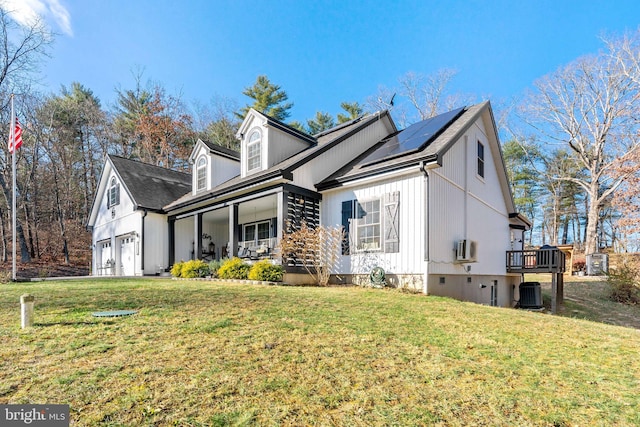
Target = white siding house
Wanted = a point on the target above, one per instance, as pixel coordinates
(128, 224)
(452, 195)
(429, 204)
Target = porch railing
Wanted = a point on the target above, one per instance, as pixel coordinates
(536, 261)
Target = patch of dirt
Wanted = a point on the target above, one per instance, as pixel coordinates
(40, 269)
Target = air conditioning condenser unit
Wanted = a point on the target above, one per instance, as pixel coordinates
(466, 251)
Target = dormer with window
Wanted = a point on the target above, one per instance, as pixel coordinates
(212, 165)
(266, 142)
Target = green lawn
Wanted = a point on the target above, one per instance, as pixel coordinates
(201, 353)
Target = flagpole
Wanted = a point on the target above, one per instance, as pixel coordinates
(13, 192)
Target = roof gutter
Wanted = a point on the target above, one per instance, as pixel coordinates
(519, 216)
(286, 175)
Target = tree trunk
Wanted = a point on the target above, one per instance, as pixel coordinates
(29, 231)
(25, 255)
(65, 246)
(565, 229)
(3, 236)
(24, 251)
(593, 215)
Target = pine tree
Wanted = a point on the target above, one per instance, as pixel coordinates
(268, 98)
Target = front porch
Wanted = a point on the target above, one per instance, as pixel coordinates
(249, 227)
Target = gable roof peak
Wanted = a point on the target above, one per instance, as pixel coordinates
(343, 125)
(150, 186)
(270, 121)
(215, 149)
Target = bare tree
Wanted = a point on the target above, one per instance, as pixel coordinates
(590, 107)
(216, 122)
(427, 93)
(419, 96)
(22, 48)
(152, 126)
(164, 131)
(69, 132)
(626, 51)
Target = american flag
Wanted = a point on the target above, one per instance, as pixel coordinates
(16, 142)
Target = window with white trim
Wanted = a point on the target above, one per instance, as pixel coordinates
(480, 169)
(368, 226)
(256, 231)
(201, 174)
(254, 151)
(372, 225)
(113, 193)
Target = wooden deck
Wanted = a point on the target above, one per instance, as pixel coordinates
(536, 261)
(541, 261)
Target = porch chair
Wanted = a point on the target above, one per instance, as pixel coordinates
(244, 252)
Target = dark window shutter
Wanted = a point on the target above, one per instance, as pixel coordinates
(347, 214)
(112, 195)
(117, 198)
(274, 227)
(392, 222)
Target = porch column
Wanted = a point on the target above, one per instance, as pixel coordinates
(172, 241)
(197, 247)
(281, 214)
(233, 234)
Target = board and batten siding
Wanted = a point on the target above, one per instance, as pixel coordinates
(184, 238)
(108, 229)
(488, 188)
(319, 168)
(281, 146)
(156, 243)
(222, 169)
(219, 168)
(276, 145)
(467, 206)
(411, 208)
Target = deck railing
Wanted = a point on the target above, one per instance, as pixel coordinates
(536, 261)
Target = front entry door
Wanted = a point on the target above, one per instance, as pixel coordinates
(127, 258)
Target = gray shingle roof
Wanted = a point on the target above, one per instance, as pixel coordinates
(150, 186)
(226, 152)
(284, 169)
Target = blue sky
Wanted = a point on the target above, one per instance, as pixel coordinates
(320, 52)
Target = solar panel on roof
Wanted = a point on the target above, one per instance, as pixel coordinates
(414, 138)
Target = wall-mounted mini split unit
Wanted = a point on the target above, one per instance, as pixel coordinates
(466, 251)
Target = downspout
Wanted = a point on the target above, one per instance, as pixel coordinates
(142, 242)
(427, 197)
(466, 186)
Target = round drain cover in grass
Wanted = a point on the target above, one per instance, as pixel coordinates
(115, 313)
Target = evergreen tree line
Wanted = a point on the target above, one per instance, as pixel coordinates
(571, 147)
